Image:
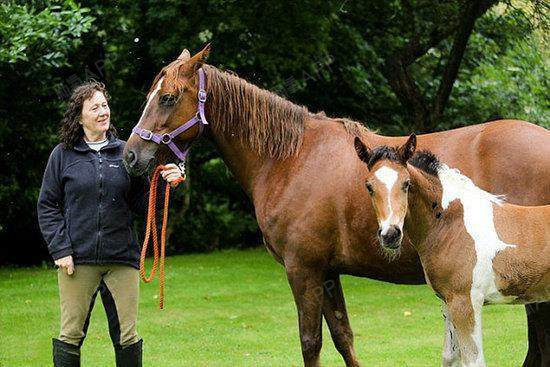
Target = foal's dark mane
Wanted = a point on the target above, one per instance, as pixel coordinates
(426, 161)
(423, 160)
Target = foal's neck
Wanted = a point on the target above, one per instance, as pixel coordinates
(425, 217)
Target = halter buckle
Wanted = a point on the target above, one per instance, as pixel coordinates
(146, 134)
(202, 95)
(166, 139)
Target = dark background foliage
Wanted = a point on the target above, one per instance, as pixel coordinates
(397, 66)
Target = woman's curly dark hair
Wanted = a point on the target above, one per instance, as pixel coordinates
(71, 130)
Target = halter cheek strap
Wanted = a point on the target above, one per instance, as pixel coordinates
(168, 138)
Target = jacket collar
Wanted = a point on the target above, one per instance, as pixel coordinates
(82, 146)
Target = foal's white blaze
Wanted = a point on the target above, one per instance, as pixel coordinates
(153, 94)
(479, 223)
(388, 177)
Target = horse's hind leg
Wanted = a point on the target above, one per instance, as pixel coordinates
(307, 287)
(538, 323)
(336, 315)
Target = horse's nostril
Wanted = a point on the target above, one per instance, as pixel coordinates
(397, 232)
(130, 159)
(392, 234)
(379, 232)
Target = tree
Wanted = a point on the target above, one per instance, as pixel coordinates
(35, 42)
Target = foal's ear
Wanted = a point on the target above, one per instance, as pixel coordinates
(363, 152)
(185, 55)
(406, 151)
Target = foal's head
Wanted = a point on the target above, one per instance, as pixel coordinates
(388, 183)
(171, 101)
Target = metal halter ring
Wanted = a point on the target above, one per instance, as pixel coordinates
(202, 95)
(166, 139)
(146, 134)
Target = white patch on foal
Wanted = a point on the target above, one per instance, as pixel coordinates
(479, 222)
(388, 177)
(153, 94)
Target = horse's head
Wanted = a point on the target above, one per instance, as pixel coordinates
(388, 183)
(172, 101)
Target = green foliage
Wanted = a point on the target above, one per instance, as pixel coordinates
(515, 85)
(41, 37)
(35, 41)
(503, 74)
(327, 55)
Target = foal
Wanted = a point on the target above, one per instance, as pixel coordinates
(475, 248)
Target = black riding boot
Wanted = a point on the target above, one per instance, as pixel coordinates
(65, 354)
(129, 356)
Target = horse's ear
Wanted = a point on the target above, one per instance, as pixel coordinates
(205, 52)
(363, 152)
(200, 58)
(406, 151)
(185, 55)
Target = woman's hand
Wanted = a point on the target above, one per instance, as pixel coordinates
(171, 173)
(66, 262)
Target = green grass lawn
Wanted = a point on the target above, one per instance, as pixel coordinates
(235, 308)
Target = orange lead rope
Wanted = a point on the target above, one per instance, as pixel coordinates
(151, 228)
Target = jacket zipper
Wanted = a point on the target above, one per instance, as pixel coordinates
(100, 166)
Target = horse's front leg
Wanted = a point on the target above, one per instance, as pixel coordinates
(451, 353)
(336, 315)
(465, 313)
(306, 283)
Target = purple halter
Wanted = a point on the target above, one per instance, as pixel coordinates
(168, 138)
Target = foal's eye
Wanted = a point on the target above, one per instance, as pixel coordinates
(168, 99)
(369, 188)
(406, 186)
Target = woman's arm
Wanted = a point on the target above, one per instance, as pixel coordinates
(50, 208)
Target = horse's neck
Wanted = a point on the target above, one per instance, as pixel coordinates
(242, 161)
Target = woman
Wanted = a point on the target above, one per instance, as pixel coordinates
(84, 212)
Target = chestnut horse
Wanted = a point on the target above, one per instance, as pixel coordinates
(474, 247)
(303, 176)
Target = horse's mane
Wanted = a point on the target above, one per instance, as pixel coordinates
(268, 123)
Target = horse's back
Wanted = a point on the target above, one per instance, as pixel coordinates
(508, 157)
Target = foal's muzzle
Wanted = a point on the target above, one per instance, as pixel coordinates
(392, 237)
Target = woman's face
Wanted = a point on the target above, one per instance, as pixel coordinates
(95, 118)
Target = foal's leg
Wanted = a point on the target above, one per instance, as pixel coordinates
(466, 318)
(451, 353)
(307, 287)
(336, 315)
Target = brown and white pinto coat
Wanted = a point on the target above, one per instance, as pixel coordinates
(474, 247)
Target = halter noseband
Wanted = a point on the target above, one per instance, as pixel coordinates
(167, 139)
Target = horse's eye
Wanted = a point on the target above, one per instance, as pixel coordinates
(167, 99)
(406, 185)
(369, 188)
